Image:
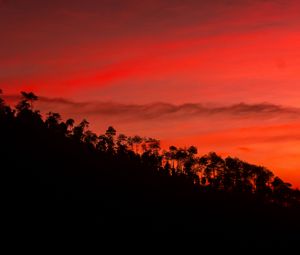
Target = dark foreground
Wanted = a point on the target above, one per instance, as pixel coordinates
(61, 179)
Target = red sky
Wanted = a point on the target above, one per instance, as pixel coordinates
(223, 75)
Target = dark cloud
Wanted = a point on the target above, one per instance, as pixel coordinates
(244, 149)
(159, 110)
(167, 110)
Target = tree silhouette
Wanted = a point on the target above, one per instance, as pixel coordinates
(56, 162)
(2, 107)
(27, 101)
(190, 161)
(262, 180)
(1, 100)
(173, 152)
(90, 138)
(79, 130)
(136, 140)
(122, 145)
(110, 139)
(53, 120)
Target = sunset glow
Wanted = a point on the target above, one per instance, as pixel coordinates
(221, 75)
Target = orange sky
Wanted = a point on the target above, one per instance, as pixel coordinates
(223, 75)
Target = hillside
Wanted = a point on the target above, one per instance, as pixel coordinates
(60, 175)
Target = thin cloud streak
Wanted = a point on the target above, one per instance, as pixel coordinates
(157, 110)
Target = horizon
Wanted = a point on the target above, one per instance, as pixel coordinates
(225, 73)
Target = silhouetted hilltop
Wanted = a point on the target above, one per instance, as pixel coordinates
(60, 175)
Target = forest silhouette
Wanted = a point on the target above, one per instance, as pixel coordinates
(60, 175)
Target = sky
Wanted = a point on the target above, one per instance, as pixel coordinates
(223, 75)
